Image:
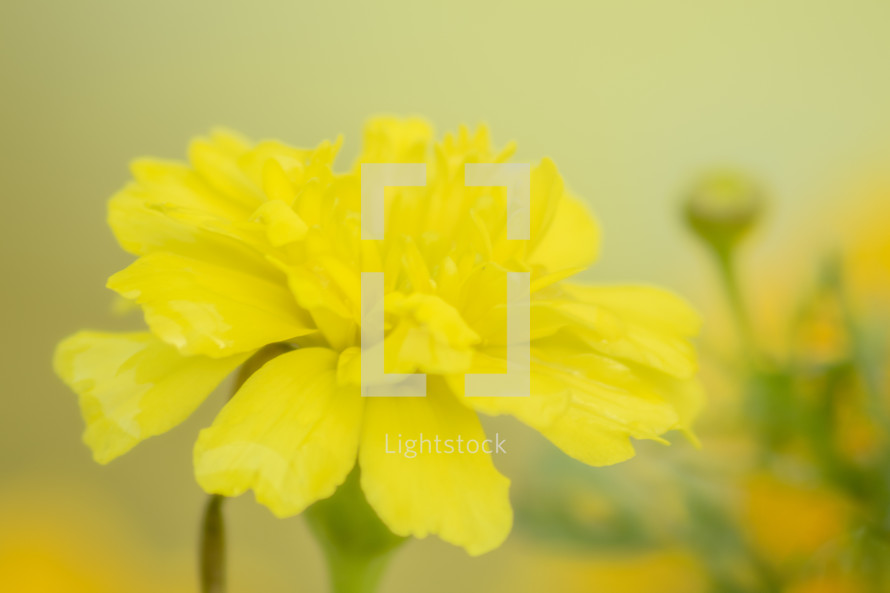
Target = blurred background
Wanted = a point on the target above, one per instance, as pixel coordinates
(634, 101)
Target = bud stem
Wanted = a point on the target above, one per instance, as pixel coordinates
(726, 264)
(213, 547)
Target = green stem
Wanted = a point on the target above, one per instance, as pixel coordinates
(213, 547)
(726, 265)
(868, 368)
(352, 574)
(357, 545)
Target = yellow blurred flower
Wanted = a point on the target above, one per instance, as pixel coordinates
(788, 522)
(830, 584)
(52, 546)
(251, 244)
(820, 336)
(665, 571)
(867, 251)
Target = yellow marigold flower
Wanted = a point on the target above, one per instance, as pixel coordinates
(251, 244)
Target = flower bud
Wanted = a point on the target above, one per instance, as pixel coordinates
(723, 207)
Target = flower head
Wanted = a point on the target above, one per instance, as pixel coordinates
(252, 244)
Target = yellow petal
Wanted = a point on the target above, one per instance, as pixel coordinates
(547, 194)
(599, 422)
(170, 208)
(290, 434)
(133, 386)
(204, 308)
(587, 404)
(175, 183)
(328, 290)
(547, 401)
(589, 438)
(390, 139)
(644, 305)
(570, 240)
(282, 224)
(429, 336)
(291, 160)
(216, 160)
(649, 331)
(276, 184)
(627, 404)
(460, 497)
(686, 396)
(540, 281)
